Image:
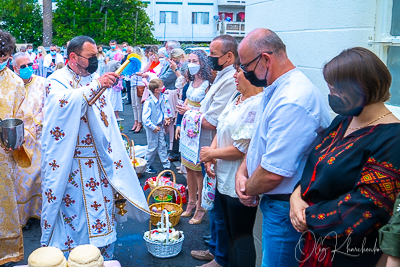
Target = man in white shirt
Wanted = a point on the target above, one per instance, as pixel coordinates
(51, 60)
(31, 54)
(223, 53)
(291, 114)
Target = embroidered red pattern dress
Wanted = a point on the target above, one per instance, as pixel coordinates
(351, 184)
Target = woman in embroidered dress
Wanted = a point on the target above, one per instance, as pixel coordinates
(234, 131)
(351, 178)
(199, 77)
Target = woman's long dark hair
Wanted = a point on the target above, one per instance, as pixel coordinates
(205, 69)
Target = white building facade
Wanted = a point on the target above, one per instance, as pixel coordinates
(316, 31)
(194, 20)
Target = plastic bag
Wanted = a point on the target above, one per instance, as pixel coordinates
(208, 193)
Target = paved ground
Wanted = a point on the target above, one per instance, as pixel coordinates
(130, 248)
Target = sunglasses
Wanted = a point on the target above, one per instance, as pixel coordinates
(244, 66)
(26, 65)
(53, 50)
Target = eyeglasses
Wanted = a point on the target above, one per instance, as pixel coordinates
(26, 65)
(244, 66)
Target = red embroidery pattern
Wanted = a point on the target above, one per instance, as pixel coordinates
(46, 224)
(50, 196)
(71, 178)
(98, 226)
(69, 242)
(57, 133)
(96, 206)
(322, 216)
(89, 163)
(68, 200)
(63, 102)
(109, 148)
(118, 164)
(106, 200)
(92, 184)
(103, 251)
(68, 220)
(54, 165)
(87, 140)
(83, 118)
(347, 198)
(102, 101)
(383, 182)
(104, 182)
(77, 152)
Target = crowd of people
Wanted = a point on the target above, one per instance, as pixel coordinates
(243, 116)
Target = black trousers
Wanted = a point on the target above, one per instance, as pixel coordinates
(239, 221)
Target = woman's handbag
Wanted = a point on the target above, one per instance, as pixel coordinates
(140, 90)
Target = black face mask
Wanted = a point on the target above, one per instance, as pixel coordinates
(252, 78)
(93, 64)
(340, 107)
(213, 62)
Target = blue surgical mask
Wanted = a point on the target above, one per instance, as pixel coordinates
(113, 47)
(53, 53)
(26, 73)
(124, 49)
(39, 50)
(30, 50)
(3, 65)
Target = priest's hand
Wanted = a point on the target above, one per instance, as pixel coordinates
(108, 79)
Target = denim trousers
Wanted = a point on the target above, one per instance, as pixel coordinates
(279, 238)
(219, 242)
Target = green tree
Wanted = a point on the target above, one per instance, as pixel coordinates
(23, 19)
(102, 20)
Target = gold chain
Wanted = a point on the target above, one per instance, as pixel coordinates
(370, 122)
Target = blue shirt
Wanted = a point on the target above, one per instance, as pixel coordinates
(290, 116)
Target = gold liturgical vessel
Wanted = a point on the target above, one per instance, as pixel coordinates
(120, 203)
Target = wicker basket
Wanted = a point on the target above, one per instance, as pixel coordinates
(164, 250)
(174, 217)
(163, 191)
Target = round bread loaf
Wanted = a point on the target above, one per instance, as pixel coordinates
(85, 256)
(47, 257)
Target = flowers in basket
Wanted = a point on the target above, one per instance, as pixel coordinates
(160, 234)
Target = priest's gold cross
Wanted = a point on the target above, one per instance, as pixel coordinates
(104, 118)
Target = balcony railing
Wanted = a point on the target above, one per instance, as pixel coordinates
(231, 2)
(232, 28)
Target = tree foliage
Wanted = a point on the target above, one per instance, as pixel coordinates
(23, 19)
(102, 20)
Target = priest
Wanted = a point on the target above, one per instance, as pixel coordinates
(27, 182)
(12, 94)
(84, 161)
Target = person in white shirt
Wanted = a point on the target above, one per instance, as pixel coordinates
(31, 54)
(51, 60)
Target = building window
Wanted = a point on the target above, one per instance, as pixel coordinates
(169, 17)
(200, 17)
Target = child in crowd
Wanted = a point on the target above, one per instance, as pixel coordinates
(155, 111)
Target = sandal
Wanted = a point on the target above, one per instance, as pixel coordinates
(198, 221)
(189, 211)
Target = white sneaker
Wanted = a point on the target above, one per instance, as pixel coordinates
(120, 119)
(124, 97)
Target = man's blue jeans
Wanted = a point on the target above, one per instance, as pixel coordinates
(219, 242)
(279, 237)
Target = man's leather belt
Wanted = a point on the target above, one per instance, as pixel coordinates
(281, 197)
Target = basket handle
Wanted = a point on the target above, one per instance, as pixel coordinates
(164, 171)
(124, 135)
(164, 186)
(132, 151)
(164, 214)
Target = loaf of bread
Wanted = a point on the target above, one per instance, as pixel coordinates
(85, 256)
(47, 257)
